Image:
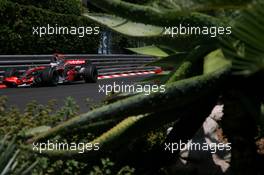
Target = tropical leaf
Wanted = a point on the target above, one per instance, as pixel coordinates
(37, 130)
(171, 62)
(189, 66)
(156, 34)
(150, 50)
(169, 65)
(158, 78)
(214, 61)
(209, 5)
(158, 15)
(124, 26)
(200, 5)
(246, 46)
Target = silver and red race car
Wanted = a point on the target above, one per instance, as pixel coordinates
(59, 71)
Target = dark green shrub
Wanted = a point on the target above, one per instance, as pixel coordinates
(16, 31)
(58, 6)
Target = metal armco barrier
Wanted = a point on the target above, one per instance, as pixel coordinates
(106, 64)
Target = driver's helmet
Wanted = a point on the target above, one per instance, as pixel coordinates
(57, 59)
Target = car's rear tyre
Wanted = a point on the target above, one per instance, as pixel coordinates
(50, 77)
(90, 74)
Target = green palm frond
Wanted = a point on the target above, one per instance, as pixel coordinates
(200, 5)
(215, 60)
(150, 50)
(9, 159)
(168, 12)
(169, 65)
(246, 46)
(155, 16)
(7, 156)
(125, 26)
(171, 62)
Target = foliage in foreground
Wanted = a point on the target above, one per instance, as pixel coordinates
(232, 70)
(35, 118)
(9, 159)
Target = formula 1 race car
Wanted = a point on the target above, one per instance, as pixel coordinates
(59, 71)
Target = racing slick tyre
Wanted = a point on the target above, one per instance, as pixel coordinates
(50, 77)
(10, 73)
(90, 74)
(37, 82)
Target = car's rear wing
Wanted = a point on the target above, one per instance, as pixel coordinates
(76, 62)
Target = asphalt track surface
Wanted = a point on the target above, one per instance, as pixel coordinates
(79, 91)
